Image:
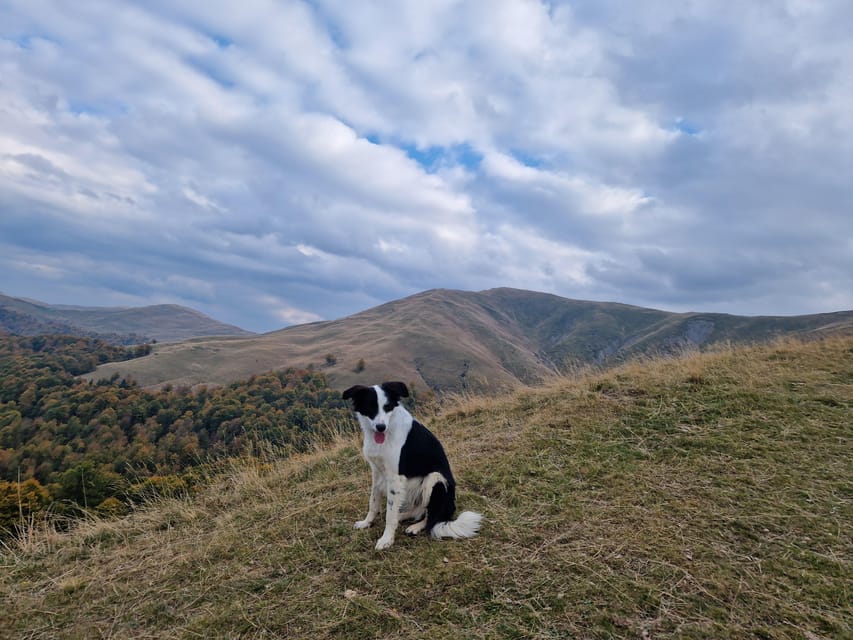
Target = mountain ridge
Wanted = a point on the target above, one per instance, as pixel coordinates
(124, 325)
(451, 340)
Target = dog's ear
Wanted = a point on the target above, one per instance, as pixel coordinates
(353, 391)
(397, 388)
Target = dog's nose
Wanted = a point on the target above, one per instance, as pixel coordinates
(380, 427)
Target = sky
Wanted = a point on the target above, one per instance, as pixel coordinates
(274, 162)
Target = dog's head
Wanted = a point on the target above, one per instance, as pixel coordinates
(375, 405)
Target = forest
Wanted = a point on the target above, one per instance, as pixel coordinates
(68, 444)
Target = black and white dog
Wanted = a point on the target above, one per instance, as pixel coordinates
(409, 468)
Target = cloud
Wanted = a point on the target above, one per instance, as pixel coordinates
(287, 313)
(279, 162)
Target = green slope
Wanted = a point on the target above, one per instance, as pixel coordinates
(701, 497)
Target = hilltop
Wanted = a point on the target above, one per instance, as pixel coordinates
(122, 325)
(449, 340)
(706, 496)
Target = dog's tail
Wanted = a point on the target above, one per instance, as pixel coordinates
(466, 525)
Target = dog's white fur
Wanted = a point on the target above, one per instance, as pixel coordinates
(407, 497)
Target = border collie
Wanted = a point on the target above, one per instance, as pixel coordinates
(409, 468)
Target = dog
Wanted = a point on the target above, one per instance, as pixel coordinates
(408, 466)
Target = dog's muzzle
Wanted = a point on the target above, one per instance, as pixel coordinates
(379, 434)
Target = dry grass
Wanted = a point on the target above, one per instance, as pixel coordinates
(705, 497)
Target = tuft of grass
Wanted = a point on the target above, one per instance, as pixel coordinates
(703, 497)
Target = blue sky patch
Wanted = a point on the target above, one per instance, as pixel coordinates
(221, 41)
(333, 29)
(104, 109)
(690, 128)
(27, 41)
(433, 157)
(212, 71)
(82, 108)
(527, 159)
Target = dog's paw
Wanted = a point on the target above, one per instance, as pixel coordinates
(415, 529)
(363, 524)
(384, 542)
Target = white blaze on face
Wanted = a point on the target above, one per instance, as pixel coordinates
(381, 417)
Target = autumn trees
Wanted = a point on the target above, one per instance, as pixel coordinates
(64, 441)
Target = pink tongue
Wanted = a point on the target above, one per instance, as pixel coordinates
(379, 437)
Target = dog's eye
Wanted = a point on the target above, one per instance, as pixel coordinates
(388, 407)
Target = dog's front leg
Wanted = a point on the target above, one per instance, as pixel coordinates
(392, 512)
(375, 499)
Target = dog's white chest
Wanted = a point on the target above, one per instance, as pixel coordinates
(383, 458)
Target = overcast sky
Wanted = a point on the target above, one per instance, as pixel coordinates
(272, 162)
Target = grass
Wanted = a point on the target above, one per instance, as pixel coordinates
(704, 497)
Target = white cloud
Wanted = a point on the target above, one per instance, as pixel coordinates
(348, 154)
(287, 313)
(587, 196)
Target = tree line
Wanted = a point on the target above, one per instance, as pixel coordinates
(66, 443)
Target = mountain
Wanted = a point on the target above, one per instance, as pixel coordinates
(124, 325)
(698, 497)
(464, 341)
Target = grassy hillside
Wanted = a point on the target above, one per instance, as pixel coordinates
(436, 339)
(462, 341)
(164, 322)
(703, 497)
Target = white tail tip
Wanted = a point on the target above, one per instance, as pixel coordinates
(466, 525)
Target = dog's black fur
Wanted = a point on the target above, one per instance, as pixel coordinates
(409, 467)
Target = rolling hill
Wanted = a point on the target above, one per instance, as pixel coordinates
(124, 325)
(463, 341)
(706, 496)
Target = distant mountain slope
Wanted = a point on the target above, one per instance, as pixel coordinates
(457, 340)
(22, 324)
(163, 322)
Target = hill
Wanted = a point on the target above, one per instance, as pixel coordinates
(124, 325)
(464, 341)
(706, 496)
